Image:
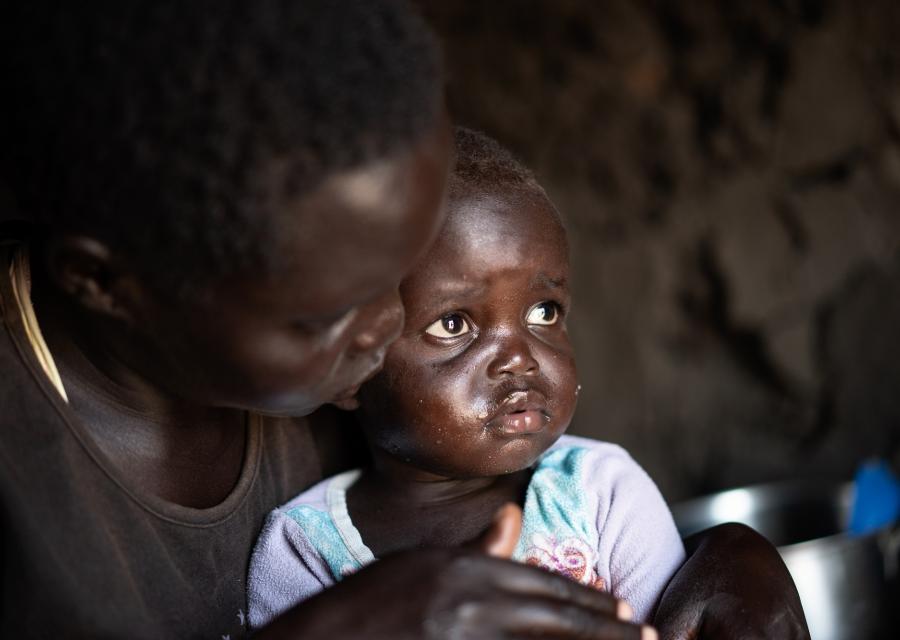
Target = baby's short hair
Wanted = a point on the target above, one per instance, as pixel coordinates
(483, 163)
(174, 129)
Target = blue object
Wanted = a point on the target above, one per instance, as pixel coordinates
(876, 500)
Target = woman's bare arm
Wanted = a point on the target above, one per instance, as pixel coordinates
(733, 585)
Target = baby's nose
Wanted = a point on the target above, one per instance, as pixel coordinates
(383, 322)
(513, 358)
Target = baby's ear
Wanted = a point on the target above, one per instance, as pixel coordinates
(502, 536)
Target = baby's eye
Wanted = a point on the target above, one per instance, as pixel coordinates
(543, 313)
(451, 325)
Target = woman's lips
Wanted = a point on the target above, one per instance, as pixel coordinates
(521, 412)
(347, 399)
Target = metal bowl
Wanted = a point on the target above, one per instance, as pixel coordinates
(843, 580)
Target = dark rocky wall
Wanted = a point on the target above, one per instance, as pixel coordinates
(730, 175)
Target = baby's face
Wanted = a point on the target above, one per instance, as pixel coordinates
(482, 380)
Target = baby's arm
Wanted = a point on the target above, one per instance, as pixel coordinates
(637, 534)
(284, 570)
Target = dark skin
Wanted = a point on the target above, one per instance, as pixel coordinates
(481, 381)
(733, 585)
(165, 385)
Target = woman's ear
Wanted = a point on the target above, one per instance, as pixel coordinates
(84, 269)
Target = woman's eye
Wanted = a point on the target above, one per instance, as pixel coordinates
(449, 326)
(544, 313)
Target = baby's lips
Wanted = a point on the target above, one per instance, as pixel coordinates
(520, 400)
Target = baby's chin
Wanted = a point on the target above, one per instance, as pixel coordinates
(512, 457)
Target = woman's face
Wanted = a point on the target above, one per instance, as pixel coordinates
(313, 333)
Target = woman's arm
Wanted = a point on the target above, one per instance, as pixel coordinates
(733, 585)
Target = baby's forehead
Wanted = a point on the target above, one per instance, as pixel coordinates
(489, 234)
(524, 214)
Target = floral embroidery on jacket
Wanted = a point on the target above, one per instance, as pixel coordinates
(570, 557)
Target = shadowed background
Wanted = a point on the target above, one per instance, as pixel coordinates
(730, 177)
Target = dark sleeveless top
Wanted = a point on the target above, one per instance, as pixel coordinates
(84, 553)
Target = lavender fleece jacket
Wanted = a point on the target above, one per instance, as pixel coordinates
(590, 513)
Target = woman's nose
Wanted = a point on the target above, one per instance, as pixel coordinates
(381, 323)
(513, 358)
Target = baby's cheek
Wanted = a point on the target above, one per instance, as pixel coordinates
(561, 372)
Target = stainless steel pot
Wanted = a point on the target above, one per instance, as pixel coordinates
(843, 581)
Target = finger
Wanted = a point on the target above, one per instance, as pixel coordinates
(542, 617)
(533, 581)
(501, 538)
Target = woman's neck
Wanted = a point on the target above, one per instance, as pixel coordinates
(181, 452)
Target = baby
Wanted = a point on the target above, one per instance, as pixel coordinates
(468, 414)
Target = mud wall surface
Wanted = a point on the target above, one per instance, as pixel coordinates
(730, 177)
